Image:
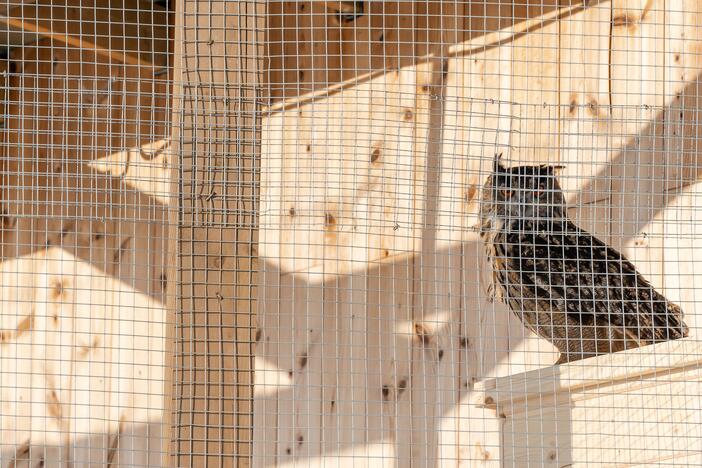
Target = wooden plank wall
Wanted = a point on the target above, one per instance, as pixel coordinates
(374, 323)
(82, 316)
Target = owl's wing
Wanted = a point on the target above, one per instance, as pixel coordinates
(596, 285)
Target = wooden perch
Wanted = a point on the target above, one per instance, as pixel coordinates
(129, 31)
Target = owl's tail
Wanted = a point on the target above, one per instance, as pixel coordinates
(669, 324)
(676, 325)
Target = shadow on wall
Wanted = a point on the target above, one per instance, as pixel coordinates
(128, 444)
(77, 139)
(313, 53)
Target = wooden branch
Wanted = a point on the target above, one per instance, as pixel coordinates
(129, 31)
(512, 391)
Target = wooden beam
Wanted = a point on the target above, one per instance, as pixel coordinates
(216, 135)
(134, 32)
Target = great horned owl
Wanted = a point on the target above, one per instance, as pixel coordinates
(562, 282)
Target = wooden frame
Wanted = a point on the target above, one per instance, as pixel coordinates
(556, 416)
(213, 269)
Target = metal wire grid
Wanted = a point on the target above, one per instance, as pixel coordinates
(218, 135)
(85, 196)
(378, 338)
(369, 351)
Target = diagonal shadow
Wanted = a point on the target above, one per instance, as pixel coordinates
(96, 217)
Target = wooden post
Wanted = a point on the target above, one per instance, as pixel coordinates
(216, 135)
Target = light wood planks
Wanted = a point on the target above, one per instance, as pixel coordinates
(682, 187)
(638, 172)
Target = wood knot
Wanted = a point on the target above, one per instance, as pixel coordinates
(303, 360)
(401, 386)
(375, 155)
(409, 115)
(592, 105)
(329, 221)
(386, 392)
(464, 342)
(53, 405)
(573, 107)
(58, 289)
(422, 334)
(291, 211)
(626, 20)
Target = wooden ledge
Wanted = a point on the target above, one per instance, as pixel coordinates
(673, 360)
(133, 32)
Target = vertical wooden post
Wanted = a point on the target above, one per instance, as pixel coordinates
(216, 138)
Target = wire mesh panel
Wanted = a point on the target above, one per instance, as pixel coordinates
(220, 48)
(85, 196)
(423, 302)
(427, 233)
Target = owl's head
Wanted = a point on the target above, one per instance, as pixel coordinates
(523, 192)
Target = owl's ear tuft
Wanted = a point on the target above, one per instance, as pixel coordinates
(497, 165)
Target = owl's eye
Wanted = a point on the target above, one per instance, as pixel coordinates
(506, 193)
(540, 189)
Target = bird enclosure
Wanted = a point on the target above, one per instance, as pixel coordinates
(242, 233)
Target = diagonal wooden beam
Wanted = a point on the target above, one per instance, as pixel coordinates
(133, 32)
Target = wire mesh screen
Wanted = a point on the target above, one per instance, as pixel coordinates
(423, 302)
(427, 233)
(221, 51)
(85, 195)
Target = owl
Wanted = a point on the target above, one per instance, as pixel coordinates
(563, 283)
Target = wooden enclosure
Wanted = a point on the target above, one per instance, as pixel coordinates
(375, 325)
(283, 262)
